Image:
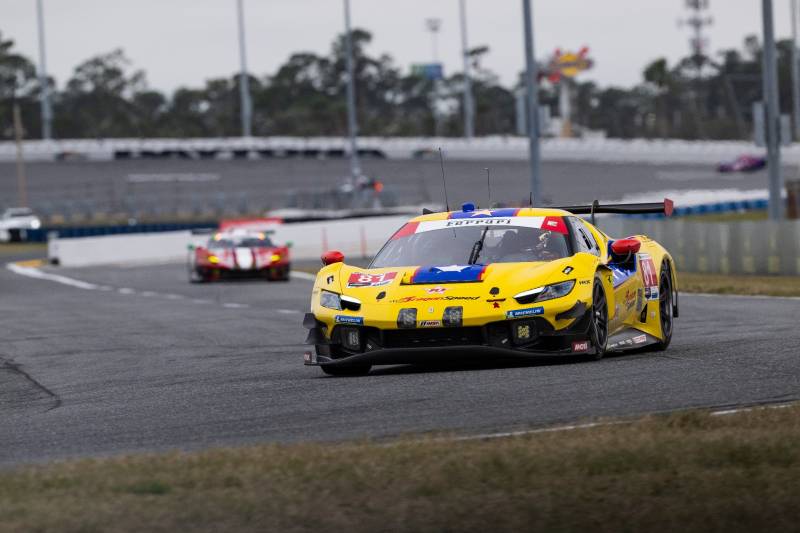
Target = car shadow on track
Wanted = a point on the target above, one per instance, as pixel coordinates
(494, 364)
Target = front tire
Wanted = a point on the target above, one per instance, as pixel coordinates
(347, 370)
(599, 327)
(665, 306)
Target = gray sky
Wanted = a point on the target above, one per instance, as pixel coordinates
(183, 42)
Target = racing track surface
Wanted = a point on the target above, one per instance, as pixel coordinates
(145, 361)
(106, 184)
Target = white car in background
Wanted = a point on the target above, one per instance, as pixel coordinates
(16, 221)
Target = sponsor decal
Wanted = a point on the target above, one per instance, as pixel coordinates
(554, 224)
(407, 299)
(519, 313)
(585, 282)
(360, 279)
(580, 346)
(649, 275)
(651, 293)
(630, 299)
(639, 339)
(449, 274)
(466, 219)
(430, 323)
(496, 302)
(639, 299)
(436, 290)
(345, 319)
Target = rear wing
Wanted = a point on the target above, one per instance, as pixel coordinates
(663, 208)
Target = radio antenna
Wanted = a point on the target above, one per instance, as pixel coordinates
(489, 185)
(444, 181)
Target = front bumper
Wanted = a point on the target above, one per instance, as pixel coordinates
(519, 338)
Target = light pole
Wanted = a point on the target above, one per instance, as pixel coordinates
(433, 25)
(244, 82)
(532, 85)
(770, 83)
(352, 124)
(44, 86)
(469, 110)
(795, 72)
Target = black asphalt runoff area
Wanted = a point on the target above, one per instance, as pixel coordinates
(147, 362)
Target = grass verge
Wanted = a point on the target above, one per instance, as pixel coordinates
(746, 285)
(689, 471)
(20, 248)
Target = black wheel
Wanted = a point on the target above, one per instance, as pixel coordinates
(346, 370)
(599, 330)
(665, 306)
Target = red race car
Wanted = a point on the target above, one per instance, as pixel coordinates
(239, 253)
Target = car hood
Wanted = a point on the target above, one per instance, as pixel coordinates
(418, 283)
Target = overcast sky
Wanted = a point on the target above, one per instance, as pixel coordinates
(184, 42)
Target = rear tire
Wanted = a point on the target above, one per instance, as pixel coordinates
(599, 327)
(347, 370)
(665, 306)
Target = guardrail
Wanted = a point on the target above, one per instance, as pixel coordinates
(763, 247)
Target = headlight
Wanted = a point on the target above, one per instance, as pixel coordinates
(35, 224)
(275, 258)
(213, 259)
(330, 300)
(548, 292)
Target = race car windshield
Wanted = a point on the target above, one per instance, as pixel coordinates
(245, 242)
(460, 246)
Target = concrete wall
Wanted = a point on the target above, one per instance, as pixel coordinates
(357, 238)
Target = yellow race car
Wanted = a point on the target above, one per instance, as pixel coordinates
(512, 282)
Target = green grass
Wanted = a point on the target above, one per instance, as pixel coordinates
(733, 284)
(688, 471)
(17, 248)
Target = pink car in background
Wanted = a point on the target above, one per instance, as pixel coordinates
(743, 163)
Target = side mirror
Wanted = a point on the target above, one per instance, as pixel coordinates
(623, 249)
(190, 247)
(289, 244)
(332, 256)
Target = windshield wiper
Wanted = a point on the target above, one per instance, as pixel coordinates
(477, 247)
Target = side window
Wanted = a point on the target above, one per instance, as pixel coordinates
(584, 238)
(595, 248)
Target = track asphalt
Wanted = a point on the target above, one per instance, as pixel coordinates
(137, 359)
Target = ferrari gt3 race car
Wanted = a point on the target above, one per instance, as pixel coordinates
(526, 282)
(239, 253)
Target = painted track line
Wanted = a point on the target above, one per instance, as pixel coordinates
(303, 275)
(38, 274)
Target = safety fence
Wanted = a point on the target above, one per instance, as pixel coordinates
(762, 247)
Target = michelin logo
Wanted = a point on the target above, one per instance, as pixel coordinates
(531, 311)
(355, 320)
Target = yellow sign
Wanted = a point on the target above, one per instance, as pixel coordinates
(570, 64)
